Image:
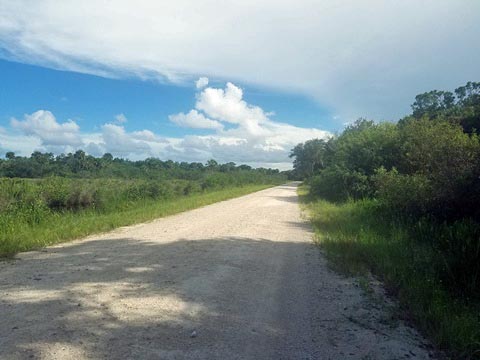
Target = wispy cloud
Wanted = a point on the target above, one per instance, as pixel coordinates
(359, 58)
(121, 118)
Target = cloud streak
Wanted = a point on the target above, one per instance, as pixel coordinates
(359, 58)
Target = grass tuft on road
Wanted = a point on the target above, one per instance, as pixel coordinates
(358, 238)
(56, 227)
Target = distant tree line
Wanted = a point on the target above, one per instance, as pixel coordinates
(82, 165)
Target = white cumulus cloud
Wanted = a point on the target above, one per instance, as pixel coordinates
(117, 140)
(252, 136)
(194, 119)
(44, 125)
(227, 105)
(145, 135)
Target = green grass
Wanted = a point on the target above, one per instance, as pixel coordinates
(358, 238)
(55, 227)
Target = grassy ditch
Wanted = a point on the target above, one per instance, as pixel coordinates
(34, 215)
(358, 237)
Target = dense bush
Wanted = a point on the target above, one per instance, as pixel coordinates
(63, 194)
(30, 204)
(428, 167)
(424, 171)
(336, 183)
(406, 194)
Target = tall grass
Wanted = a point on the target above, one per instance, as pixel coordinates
(360, 236)
(36, 213)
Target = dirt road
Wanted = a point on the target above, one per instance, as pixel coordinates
(239, 279)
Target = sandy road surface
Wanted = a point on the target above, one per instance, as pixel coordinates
(238, 279)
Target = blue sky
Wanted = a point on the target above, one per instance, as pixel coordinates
(121, 76)
(92, 100)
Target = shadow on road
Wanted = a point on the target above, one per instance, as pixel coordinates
(119, 298)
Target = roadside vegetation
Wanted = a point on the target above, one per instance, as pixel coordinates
(401, 200)
(46, 199)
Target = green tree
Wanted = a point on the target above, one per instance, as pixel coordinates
(467, 113)
(107, 157)
(10, 155)
(211, 164)
(432, 103)
(309, 157)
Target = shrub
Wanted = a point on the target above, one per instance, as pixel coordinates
(56, 192)
(338, 184)
(81, 198)
(405, 194)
